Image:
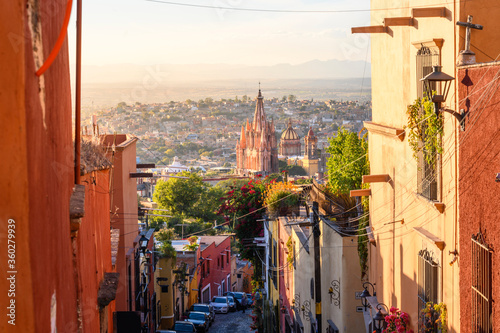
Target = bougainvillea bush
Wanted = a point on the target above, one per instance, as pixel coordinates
(242, 208)
(397, 321)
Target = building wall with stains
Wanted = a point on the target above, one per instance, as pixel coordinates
(479, 192)
(38, 176)
(93, 251)
(123, 205)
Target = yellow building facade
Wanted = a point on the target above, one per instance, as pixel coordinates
(413, 211)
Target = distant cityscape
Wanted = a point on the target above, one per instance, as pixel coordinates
(204, 133)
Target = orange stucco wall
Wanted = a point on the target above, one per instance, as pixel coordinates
(123, 206)
(93, 246)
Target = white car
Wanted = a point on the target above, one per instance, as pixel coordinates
(220, 304)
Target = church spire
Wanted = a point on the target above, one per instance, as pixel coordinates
(243, 141)
(259, 118)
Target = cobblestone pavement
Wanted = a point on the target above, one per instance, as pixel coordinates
(233, 322)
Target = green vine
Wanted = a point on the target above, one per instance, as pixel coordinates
(425, 130)
(289, 257)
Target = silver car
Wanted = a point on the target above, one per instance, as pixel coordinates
(220, 304)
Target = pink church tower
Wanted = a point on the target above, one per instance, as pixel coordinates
(257, 151)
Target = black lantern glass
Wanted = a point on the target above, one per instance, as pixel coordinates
(379, 318)
(437, 85)
(366, 293)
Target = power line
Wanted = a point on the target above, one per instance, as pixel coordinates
(325, 11)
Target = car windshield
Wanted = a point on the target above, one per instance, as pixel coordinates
(181, 327)
(219, 300)
(200, 308)
(197, 316)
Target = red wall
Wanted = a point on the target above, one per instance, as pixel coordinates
(94, 246)
(123, 206)
(217, 274)
(50, 174)
(479, 194)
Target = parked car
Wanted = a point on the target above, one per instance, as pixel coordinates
(200, 321)
(184, 326)
(205, 308)
(220, 304)
(232, 303)
(165, 331)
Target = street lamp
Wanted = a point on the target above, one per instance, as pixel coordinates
(164, 287)
(379, 318)
(437, 79)
(366, 293)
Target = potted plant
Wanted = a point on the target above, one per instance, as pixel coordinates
(433, 318)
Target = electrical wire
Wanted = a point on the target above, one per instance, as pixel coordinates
(334, 11)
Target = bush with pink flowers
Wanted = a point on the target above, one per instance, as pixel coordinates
(397, 321)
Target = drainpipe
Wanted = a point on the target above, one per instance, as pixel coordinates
(78, 88)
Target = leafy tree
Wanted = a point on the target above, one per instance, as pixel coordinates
(178, 195)
(296, 170)
(292, 98)
(348, 161)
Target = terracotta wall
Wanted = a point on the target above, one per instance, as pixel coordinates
(479, 163)
(123, 205)
(38, 174)
(94, 247)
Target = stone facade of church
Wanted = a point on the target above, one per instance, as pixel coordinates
(256, 151)
(290, 142)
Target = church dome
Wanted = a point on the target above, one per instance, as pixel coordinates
(289, 133)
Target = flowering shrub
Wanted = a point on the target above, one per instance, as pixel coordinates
(434, 318)
(397, 321)
(279, 197)
(241, 207)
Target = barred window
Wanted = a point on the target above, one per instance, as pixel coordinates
(428, 283)
(427, 175)
(481, 285)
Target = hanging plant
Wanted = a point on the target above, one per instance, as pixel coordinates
(425, 130)
(434, 318)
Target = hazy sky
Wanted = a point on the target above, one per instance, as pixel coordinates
(144, 32)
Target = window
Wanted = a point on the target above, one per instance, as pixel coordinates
(275, 264)
(481, 285)
(227, 257)
(208, 267)
(222, 262)
(428, 282)
(428, 173)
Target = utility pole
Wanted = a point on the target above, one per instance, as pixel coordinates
(317, 263)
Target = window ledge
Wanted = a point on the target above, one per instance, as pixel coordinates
(434, 239)
(437, 204)
(435, 42)
(397, 133)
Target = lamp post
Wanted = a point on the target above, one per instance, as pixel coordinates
(379, 318)
(366, 294)
(437, 85)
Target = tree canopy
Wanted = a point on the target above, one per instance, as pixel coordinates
(348, 161)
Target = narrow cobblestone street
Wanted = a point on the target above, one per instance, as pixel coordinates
(233, 322)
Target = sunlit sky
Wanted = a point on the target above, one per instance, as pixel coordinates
(145, 33)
